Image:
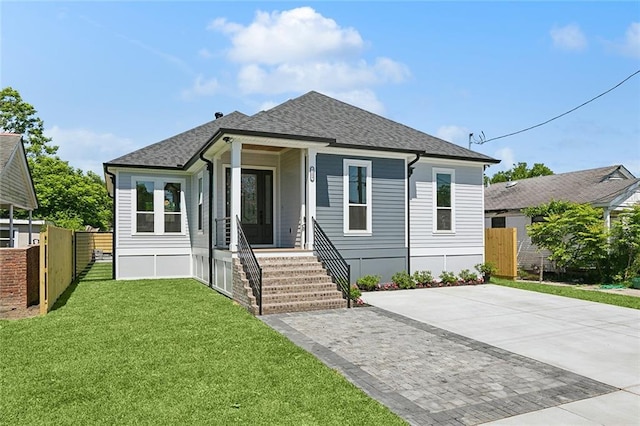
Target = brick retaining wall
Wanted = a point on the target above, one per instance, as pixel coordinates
(19, 277)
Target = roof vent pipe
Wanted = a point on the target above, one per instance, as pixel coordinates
(218, 115)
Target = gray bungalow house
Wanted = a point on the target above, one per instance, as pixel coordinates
(241, 202)
(612, 188)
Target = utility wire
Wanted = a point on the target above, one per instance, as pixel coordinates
(556, 117)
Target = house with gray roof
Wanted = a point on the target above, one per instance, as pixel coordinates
(16, 189)
(242, 202)
(611, 188)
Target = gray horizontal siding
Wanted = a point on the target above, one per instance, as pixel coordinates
(388, 203)
(15, 185)
(469, 217)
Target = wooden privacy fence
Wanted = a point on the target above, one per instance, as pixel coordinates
(90, 247)
(56, 265)
(500, 248)
(64, 256)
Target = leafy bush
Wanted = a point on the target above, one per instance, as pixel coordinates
(573, 233)
(354, 293)
(368, 282)
(448, 278)
(486, 268)
(403, 280)
(466, 276)
(624, 255)
(422, 277)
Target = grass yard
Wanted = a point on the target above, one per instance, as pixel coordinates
(165, 352)
(576, 293)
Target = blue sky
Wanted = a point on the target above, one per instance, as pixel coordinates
(110, 77)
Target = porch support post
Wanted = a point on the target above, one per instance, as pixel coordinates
(236, 181)
(11, 242)
(30, 227)
(607, 219)
(312, 174)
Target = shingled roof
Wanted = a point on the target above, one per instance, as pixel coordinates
(312, 116)
(598, 187)
(178, 150)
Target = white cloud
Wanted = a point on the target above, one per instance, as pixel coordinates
(507, 156)
(569, 37)
(300, 50)
(86, 149)
(630, 46)
(363, 98)
(320, 76)
(201, 87)
(295, 35)
(456, 134)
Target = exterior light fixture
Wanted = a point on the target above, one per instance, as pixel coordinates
(312, 174)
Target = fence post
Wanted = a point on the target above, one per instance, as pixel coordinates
(44, 273)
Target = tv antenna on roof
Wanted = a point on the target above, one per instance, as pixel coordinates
(477, 140)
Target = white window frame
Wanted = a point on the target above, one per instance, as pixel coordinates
(452, 173)
(158, 205)
(348, 162)
(200, 202)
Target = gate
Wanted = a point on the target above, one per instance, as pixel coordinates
(500, 248)
(90, 248)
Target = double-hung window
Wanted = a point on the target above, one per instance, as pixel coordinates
(357, 196)
(158, 206)
(444, 196)
(145, 216)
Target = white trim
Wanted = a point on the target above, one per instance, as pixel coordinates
(311, 195)
(158, 205)
(199, 198)
(275, 194)
(407, 182)
(303, 199)
(449, 162)
(346, 163)
(350, 152)
(452, 173)
(448, 251)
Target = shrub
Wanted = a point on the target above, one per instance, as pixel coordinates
(486, 268)
(354, 293)
(422, 277)
(466, 276)
(368, 282)
(403, 280)
(448, 278)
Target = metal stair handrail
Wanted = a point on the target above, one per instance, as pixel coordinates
(250, 264)
(332, 260)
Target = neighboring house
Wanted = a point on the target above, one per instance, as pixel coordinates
(389, 197)
(612, 188)
(24, 232)
(16, 187)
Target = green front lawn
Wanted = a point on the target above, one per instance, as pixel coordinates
(574, 292)
(165, 352)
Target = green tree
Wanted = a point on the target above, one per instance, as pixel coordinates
(66, 196)
(573, 233)
(625, 244)
(521, 171)
(17, 116)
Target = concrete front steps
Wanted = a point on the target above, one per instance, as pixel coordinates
(292, 283)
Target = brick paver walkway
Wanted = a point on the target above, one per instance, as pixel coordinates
(428, 375)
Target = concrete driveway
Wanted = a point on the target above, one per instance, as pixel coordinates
(598, 341)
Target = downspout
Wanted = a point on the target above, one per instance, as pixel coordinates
(409, 173)
(210, 215)
(113, 239)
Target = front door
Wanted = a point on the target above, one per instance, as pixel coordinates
(256, 206)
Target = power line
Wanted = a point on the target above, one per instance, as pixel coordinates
(483, 141)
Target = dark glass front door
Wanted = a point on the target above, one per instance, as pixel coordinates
(256, 206)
